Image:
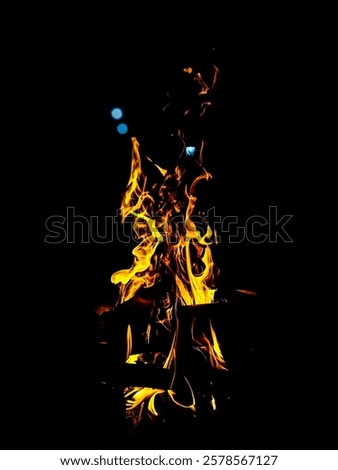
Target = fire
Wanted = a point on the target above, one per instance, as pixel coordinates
(172, 247)
(137, 202)
(247, 292)
(129, 342)
(216, 350)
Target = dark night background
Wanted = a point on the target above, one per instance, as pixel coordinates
(254, 135)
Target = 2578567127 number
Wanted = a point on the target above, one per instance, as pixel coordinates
(239, 459)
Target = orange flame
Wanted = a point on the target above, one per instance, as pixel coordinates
(247, 292)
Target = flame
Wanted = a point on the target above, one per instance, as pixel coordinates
(217, 349)
(210, 348)
(170, 245)
(163, 171)
(103, 308)
(147, 334)
(213, 402)
(204, 86)
(192, 406)
(133, 358)
(247, 292)
(138, 395)
(129, 341)
(136, 202)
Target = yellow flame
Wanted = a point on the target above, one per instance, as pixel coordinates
(138, 395)
(194, 288)
(133, 358)
(212, 348)
(148, 331)
(129, 341)
(216, 347)
(137, 202)
(213, 402)
(192, 406)
(163, 171)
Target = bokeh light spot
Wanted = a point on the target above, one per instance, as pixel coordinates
(122, 128)
(116, 113)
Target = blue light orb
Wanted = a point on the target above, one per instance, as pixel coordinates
(190, 151)
(122, 128)
(116, 113)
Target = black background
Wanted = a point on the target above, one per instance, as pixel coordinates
(74, 77)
